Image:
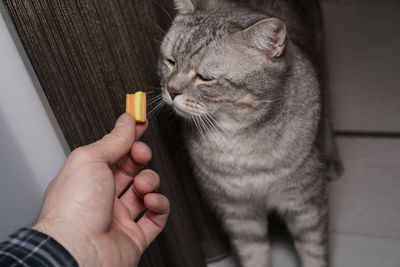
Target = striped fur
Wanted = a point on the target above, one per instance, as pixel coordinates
(255, 123)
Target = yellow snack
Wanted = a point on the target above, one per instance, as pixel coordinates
(136, 105)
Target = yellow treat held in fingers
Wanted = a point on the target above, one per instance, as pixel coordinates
(136, 105)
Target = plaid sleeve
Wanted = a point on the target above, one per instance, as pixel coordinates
(27, 247)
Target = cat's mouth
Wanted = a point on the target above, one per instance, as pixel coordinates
(185, 109)
(182, 106)
(182, 112)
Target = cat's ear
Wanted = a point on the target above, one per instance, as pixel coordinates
(184, 7)
(267, 35)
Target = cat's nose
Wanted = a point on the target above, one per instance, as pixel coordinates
(173, 93)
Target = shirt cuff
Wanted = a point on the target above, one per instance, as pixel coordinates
(28, 247)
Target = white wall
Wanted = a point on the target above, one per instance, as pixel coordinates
(32, 148)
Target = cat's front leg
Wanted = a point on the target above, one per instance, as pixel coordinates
(309, 228)
(248, 232)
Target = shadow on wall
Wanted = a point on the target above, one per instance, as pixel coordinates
(20, 193)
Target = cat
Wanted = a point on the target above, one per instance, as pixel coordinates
(245, 74)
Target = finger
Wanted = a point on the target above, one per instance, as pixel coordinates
(117, 143)
(141, 128)
(141, 153)
(154, 220)
(132, 203)
(146, 182)
(139, 156)
(128, 226)
(122, 179)
(128, 167)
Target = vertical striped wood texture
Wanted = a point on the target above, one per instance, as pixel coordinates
(87, 55)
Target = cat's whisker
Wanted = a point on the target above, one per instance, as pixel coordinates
(204, 126)
(243, 122)
(212, 126)
(162, 107)
(158, 27)
(270, 101)
(151, 112)
(156, 112)
(155, 40)
(208, 130)
(200, 128)
(158, 106)
(209, 122)
(154, 93)
(165, 11)
(159, 110)
(157, 95)
(220, 127)
(148, 90)
(191, 123)
(222, 133)
(153, 87)
(195, 123)
(170, 113)
(152, 90)
(154, 100)
(212, 122)
(154, 103)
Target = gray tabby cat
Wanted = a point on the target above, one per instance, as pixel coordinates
(245, 80)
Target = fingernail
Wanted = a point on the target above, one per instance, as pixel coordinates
(149, 178)
(123, 120)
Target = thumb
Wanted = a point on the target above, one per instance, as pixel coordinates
(118, 142)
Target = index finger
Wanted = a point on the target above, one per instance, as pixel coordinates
(155, 218)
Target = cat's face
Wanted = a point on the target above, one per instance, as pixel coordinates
(207, 66)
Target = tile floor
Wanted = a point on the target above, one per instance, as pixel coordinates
(363, 41)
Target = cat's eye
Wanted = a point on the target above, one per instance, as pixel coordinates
(204, 78)
(170, 61)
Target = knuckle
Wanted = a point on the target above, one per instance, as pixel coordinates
(81, 153)
(142, 144)
(116, 137)
(151, 173)
(146, 149)
(167, 203)
(141, 152)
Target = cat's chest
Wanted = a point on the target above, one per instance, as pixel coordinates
(239, 167)
(233, 152)
(245, 168)
(236, 152)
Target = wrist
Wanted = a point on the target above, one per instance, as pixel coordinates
(74, 241)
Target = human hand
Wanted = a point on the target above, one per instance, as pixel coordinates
(81, 208)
